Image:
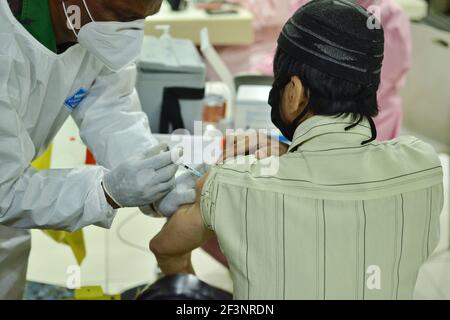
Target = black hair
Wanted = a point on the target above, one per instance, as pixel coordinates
(327, 94)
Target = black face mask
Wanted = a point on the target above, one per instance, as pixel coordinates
(287, 129)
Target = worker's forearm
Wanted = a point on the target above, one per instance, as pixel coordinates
(175, 264)
(81, 206)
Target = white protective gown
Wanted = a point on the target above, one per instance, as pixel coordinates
(35, 87)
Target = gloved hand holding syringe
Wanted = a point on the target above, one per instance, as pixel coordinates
(183, 191)
(195, 172)
(179, 162)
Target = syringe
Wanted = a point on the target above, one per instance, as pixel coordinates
(191, 170)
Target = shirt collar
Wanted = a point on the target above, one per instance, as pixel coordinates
(319, 132)
(36, 18)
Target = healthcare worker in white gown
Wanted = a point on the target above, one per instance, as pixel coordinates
(92, 81)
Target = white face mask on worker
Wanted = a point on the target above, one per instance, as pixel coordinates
(116, 44)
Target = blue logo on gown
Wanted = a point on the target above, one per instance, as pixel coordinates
(73, 101)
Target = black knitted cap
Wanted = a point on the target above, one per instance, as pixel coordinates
(336, 37)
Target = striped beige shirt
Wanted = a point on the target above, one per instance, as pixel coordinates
(337, 220)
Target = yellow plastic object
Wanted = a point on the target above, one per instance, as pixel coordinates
(74, 240)
(94, 293)
(44, 161)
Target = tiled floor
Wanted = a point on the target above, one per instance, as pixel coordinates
(117, 259)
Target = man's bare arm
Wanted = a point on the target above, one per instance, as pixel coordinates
(183, 233)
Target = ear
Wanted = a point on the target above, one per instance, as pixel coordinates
(294, 94)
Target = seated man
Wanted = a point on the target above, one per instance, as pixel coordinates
(345, 216)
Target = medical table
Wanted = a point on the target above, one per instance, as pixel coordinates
(224, 29)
